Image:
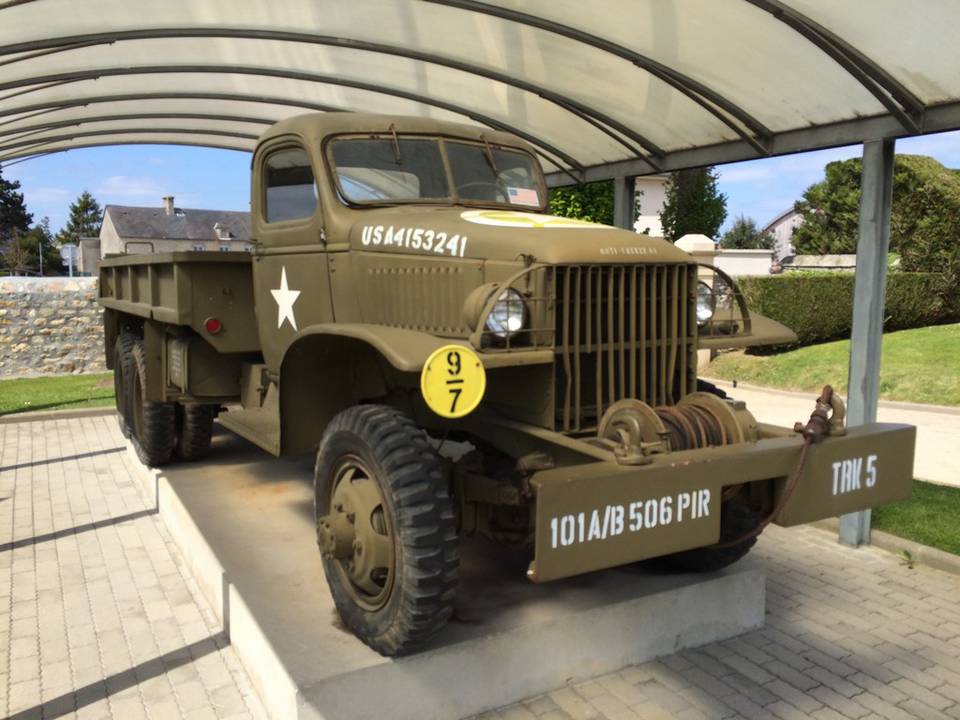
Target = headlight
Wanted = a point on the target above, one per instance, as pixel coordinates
(509, 314)
(706, 303)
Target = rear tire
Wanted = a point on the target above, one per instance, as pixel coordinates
(194, 430)
(394, 588)
(736, 519)
(153, 423)
(122, 367)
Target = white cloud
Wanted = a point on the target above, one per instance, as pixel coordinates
(128, 186)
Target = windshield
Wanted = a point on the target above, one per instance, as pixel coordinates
(401, 169)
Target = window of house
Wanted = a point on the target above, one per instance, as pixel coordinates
(199, 247)
(291, 192)
(224, 248)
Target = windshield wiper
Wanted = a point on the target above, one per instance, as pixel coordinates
(396, 144)
(488, 154)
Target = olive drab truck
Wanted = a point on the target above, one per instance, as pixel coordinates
(407, 292)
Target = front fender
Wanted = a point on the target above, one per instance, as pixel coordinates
(408, 350)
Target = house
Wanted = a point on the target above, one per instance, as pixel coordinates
(169, 228)
(651, 194)
(782, 227)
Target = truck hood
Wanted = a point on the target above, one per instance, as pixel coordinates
(504, 235)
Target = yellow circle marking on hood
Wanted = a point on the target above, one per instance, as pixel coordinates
(516, 219)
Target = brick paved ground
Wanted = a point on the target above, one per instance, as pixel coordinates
(849, 634)
(98, 617)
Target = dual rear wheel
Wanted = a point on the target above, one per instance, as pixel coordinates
(158, 431)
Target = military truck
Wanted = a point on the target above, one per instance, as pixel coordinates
(406, 296)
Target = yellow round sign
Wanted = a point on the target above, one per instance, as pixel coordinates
(453, 381)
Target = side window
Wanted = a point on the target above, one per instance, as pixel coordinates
(291, 193)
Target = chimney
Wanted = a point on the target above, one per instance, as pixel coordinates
(168, 204)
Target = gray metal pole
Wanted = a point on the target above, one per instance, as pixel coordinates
(624, 200)
(869, 288)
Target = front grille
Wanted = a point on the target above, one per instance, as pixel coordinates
(622, 332)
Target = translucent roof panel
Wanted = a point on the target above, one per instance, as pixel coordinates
(631, 87)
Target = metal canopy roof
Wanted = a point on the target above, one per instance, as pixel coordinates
(605, 89)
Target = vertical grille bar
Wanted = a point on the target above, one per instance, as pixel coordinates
(663, 338)
(621, 318)
(599, 332)
(642, 350)
(683, 304)
(567, 395)
(672, 335)
(577, 341)
(634, 348)
(652, 349)
(611, 339)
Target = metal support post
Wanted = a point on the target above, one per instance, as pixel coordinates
(624, 202)
(868, 296)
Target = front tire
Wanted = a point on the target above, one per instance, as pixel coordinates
(386, 528)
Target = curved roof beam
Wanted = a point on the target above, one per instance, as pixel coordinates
(82, 75)
(19, 157)
(129, 131)
(705, 97)
(570, 105)
(52, 106)
(906, 107)
(43, 127)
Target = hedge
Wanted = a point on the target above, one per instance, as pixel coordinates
(818, 306)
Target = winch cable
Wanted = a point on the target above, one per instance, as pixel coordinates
(690, 427)
(816, 429)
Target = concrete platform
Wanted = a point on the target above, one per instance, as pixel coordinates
(244, 520)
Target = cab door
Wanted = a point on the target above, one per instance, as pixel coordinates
(290, 268)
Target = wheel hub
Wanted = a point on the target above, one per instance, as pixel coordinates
(357, 535)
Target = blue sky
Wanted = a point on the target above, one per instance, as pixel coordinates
(209, 178)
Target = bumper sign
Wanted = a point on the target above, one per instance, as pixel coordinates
(453, 381)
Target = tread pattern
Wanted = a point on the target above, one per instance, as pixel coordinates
(427, 558)
(155, 442)
(195, 429)
(736, 519)
(122, 367)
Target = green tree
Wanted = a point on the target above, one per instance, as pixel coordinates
(745, 235)
(590, 201)
(693, 204)
(84, 221)
(40, 238)
(924, 193)
(14, 218)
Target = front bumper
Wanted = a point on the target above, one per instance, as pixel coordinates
(599, 515)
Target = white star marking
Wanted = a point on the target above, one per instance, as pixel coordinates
(285, 298)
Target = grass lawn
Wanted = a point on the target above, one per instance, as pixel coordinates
(929, 517)
(56, 392)
(917, 365)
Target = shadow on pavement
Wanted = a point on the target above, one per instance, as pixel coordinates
(117, 683)
(48, 461)
(37, 539)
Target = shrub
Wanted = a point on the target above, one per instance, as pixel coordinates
(819, 306)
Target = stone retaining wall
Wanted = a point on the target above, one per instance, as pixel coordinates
(50, 326)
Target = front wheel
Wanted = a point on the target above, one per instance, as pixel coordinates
(385, 526)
